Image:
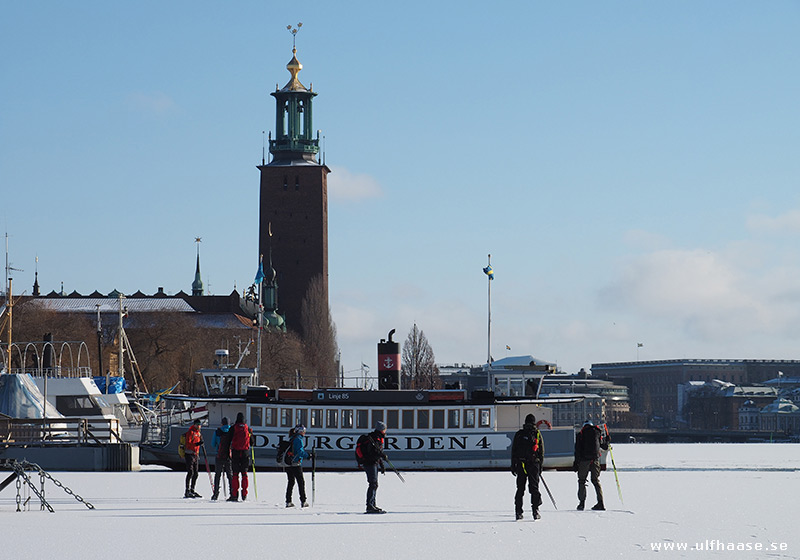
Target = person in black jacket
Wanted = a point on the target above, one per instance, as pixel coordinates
(222, 463)
(527, 456)
(588, 445)
(370, 457)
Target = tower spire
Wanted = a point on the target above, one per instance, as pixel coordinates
(197, 285)
(294, 140)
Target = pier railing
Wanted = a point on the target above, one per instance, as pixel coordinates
(59, 431)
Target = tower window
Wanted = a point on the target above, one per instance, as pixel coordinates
(297, 183)
(285, 183)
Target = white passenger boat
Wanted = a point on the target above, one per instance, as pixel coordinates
(438, 430)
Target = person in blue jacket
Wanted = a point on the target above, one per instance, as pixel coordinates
(222, 463)
(294, 465)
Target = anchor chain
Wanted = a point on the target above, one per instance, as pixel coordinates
(64, 488)
(20, 467)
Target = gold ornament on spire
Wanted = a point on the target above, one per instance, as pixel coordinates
(294, 65)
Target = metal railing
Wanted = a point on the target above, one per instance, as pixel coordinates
(59, 431)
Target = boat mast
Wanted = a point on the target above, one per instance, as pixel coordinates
(9, 305)
(120, 337)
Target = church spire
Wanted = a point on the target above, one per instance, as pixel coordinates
(197, 285)
(36, 279)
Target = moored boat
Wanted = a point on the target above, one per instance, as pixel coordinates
(426, 430)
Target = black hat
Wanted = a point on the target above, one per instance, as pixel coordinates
(240, 418)
(197, 421)
(530, 419)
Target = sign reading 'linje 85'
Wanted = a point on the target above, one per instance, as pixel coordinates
(372, 397)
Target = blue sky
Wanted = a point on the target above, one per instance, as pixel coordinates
(632, 167)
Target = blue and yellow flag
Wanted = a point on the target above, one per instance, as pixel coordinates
(260, 273)
(489, 272)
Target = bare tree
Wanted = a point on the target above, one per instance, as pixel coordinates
(319, 335)
(418, 369)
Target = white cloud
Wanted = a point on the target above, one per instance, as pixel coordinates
(347, 186)
(712, 296)
(788, 222)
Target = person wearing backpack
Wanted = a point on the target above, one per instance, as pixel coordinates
(240, 457)
(193, 439)
(370, 457)
(527, 456)
(222, 463)
(293, 459)
(588, 445)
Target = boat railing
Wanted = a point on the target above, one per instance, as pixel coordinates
(54, 372)
(59, 431)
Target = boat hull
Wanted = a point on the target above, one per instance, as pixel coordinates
(433, 450)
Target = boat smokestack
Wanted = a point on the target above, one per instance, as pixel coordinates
(388, 364)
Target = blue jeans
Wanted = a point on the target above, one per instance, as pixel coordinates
(372, 480)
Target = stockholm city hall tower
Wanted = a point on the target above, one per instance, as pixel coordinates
(293, 210)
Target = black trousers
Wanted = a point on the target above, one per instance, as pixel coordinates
(295, 474)
(528, 474)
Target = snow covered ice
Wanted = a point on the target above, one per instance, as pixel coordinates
(727, 497)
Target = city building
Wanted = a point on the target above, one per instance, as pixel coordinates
(653, 385)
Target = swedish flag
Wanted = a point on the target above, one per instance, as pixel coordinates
(260, 273)
(489, 271)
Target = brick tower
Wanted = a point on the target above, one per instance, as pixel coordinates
(294, 198)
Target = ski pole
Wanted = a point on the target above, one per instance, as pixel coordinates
(613, 465)
(313, 473)
(400, 476)
(208, 470)
(253, 457)
(383, 456)
(548, 490)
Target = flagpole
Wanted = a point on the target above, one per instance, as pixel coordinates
(489, 318)
(260, 278)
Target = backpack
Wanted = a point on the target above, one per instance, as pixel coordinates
(284, 449)
(241, 437)
(525, 445)
(182, 446)
(364, 448)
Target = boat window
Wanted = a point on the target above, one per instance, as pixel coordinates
(333, 418)
(438, 418)
(255, 416)
(408, 419)
(377, 416)
(347, 418)
(316, 418)
(392, 417)
(469, 418)
(484, 414)
(270, 417)
(286, 418)
(362, 419)
(70, 405)
(454, 418)
(423, 416)
(301, 416)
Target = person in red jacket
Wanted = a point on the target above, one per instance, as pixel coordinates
(192, 442)
(240, 457)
